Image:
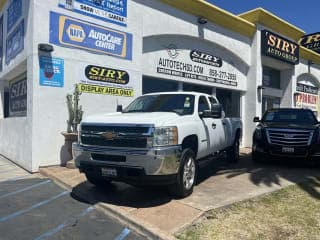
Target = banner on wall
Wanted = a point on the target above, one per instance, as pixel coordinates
(15, 42)
(278, 47)
(14, 13)
(18, 98)
(97, 89)
(71, 32)
(1, 42)
(51, 71)
(103, 75)
(311, 41)
(305, 100)
(106, 10)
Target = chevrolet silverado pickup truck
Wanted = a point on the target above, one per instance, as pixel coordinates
(287, 132)
(160, 138)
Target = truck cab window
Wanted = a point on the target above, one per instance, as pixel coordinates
(203, 104)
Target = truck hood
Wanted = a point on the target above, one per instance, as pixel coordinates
(155, 118)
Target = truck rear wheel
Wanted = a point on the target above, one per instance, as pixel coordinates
(98, 181)
(233, 153)
(186, 176)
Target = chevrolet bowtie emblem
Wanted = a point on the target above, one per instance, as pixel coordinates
(109, 135)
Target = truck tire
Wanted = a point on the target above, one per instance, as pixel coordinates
(233, 153)
(98, 181)
(186, 176)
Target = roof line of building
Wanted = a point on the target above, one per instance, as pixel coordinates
(271, 21)
(215, 14)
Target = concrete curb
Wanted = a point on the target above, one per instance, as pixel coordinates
(139, 226)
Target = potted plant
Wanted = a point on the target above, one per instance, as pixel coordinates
(71, 135)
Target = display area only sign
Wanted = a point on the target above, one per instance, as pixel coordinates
(71, 32)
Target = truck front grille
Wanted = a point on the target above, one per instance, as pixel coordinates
(128, 136)
(289, 137)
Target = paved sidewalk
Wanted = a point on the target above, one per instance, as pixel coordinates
(153, 210)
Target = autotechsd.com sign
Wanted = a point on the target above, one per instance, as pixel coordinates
(71, 32)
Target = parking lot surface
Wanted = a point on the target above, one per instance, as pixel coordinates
(32, 207)
(219, 184)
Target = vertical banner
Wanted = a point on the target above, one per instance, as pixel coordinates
(18, 98)
(51, 71)
(14, 12)
(114, 11)
(1, 42)
(15, 42)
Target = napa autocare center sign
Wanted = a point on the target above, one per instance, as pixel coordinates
(105, 80)
(71, 32)
(307, 97)
(114, 11)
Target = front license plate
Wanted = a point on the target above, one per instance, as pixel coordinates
(109, 172)
(287, 149)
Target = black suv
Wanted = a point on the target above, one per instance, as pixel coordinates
(287, 132)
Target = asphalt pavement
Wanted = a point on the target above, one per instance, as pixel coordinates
(32, 207)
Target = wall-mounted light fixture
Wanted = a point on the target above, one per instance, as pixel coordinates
(44, 47)
(202, 20)
(259, 92)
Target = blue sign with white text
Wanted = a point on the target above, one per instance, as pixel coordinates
(71, 32)
(51, 71)
(114, 11)
(14, 12)
(15, 42)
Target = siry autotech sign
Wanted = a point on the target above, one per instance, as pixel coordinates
(205, 58)
(108, 75)
(71, 32)
(311, 41)
(18, 98)
(275, 46)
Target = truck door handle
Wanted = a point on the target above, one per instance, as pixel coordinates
(214, 125)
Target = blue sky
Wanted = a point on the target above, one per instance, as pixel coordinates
(303, 14)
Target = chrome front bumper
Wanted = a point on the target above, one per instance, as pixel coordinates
(155, 161)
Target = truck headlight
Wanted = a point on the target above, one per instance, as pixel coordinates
(165, 136)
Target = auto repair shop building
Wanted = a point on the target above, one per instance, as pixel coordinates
(116, 50)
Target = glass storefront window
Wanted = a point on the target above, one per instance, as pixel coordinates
(269, 102)
(197, 88)
(271, 77)
(230, 101)
(151, 85)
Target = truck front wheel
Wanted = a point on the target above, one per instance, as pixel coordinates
(186, 176)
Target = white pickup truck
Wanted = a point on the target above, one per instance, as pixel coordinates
(159, 138)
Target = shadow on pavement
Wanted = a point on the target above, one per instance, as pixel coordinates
(123, 195)
(269, 173)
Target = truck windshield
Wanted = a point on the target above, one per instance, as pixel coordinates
(182, 104)
(290, 116)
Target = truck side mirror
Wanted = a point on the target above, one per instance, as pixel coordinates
(256, 119)
(216, 111)
(205, 114)
(119, 108)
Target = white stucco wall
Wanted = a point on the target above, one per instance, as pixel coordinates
(15, 132)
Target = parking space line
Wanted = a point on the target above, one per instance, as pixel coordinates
(14, 178)
(63, 225)
(24, 189)
(13, 215)
(11, 170)
(125, 232)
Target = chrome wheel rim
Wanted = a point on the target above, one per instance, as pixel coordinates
(189, 172)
